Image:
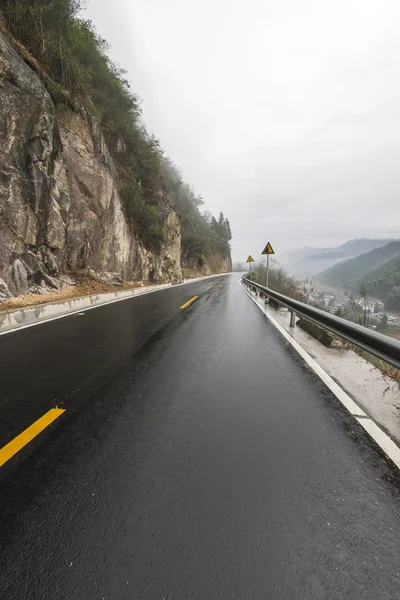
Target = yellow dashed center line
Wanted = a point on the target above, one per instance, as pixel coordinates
(27, 436)
(209, 287)
(189, 302)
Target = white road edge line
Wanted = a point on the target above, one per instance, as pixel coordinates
(374, 431)
(382, 439)
(82, 310)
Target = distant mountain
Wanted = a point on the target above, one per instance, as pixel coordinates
(311, 261)
(351, 273)
(379, 279)
(383, 283)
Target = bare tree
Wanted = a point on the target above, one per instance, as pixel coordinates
(308, 290)
(354, 308)
(364, 296)
(207, 215)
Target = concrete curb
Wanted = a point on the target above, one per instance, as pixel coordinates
(13, 320)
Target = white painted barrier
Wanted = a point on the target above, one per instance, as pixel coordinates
(12, 320)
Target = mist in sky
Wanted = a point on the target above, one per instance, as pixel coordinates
(283, 115)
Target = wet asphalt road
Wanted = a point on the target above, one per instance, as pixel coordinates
(198, 457)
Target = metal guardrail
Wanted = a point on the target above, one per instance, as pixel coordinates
(382, 346)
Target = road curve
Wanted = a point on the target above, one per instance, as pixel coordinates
(197, 457)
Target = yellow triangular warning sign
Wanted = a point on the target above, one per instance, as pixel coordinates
(250, 259)
(268, 249)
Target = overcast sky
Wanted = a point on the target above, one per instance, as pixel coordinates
(284, 114)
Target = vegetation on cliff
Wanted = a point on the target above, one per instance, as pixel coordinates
(78, 71)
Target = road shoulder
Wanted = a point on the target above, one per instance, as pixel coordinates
(370, 397)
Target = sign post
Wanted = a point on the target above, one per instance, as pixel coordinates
(249, 260)
(268, 250)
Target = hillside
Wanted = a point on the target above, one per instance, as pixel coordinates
(384, 283)
(382, 274)
(84, 185)
(311, 261)
(351, 273)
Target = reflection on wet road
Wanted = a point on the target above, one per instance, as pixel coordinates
(197, 457)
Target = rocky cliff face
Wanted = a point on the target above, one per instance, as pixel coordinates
(60, 208)
(219, 263)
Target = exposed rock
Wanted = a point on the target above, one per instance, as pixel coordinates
(5, 69)
(109, 278)
(60, 208)
(67, 281)
(33, 262)
(322, 335)
(207, 265)
(49, 261)
(98, 234)
(59, 202)
(275, 304)
(51, 282)
(19, 277)
(28, 147)
(336, 343)
(37, 289)
(4, 291)
(165, 266)
(56, 228)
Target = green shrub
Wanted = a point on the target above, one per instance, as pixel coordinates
(144, 218)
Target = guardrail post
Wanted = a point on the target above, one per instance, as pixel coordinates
(382, 346)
